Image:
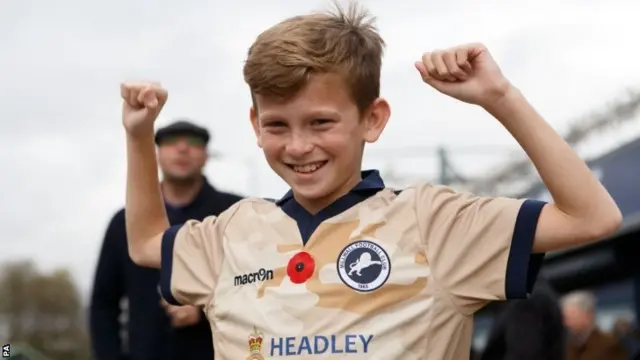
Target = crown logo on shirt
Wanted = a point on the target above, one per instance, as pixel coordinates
(255, 341)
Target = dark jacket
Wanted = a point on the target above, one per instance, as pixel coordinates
(150, 335)
(530, 329)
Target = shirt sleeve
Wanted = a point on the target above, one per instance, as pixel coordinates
(479, 248)
(191, 257)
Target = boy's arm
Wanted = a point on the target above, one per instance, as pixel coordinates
(191, 254)
(146, 218)
(583, 210)
(480, 248)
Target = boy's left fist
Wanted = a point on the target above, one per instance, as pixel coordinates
(467, 73)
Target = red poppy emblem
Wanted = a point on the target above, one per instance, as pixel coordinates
(300, 267)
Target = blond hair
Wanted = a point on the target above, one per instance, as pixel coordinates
(584, 300)
(345, 42)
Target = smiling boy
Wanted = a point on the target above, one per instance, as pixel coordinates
(341, 266)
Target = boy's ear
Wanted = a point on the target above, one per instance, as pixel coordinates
(253, 116)
(376, 119)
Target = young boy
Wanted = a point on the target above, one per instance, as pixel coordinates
(341, 267)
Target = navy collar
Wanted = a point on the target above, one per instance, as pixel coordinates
(371, 180)
(370, 185)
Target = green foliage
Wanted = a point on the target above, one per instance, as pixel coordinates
(43, 311)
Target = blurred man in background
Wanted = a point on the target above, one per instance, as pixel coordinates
(155, 330)
(586, 341)
(529, 329)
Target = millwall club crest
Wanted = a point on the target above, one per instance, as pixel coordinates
(364, 266)
(255, 345)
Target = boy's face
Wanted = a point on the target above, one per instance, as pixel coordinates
(314, 140)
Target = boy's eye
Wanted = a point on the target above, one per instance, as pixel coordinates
(275, 124)
(321, 121)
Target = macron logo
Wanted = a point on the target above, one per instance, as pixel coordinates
(260, 275)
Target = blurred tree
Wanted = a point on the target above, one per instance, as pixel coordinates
(43, 310)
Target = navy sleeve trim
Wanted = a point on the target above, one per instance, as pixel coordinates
(168, 240)
(523, 266)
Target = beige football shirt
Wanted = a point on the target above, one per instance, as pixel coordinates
(396, 275)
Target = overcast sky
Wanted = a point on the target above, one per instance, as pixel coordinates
(61, 62)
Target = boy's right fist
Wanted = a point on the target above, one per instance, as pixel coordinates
(142, 102)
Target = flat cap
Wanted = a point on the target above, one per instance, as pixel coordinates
(182, 127)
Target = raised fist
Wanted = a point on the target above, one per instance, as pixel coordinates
(142, 102)
(467, 73)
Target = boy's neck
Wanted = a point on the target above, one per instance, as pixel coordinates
(314, 206)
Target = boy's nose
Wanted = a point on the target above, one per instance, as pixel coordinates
(299, 146)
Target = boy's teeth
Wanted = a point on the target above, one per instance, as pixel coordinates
(307, 168)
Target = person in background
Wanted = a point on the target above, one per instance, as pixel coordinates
(155, 330)
(586, 341)
(529, 329)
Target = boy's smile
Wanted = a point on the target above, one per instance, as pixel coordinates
(314, 140)
(307, 169)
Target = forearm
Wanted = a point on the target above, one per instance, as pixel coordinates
(146, 217)
(573, 187)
